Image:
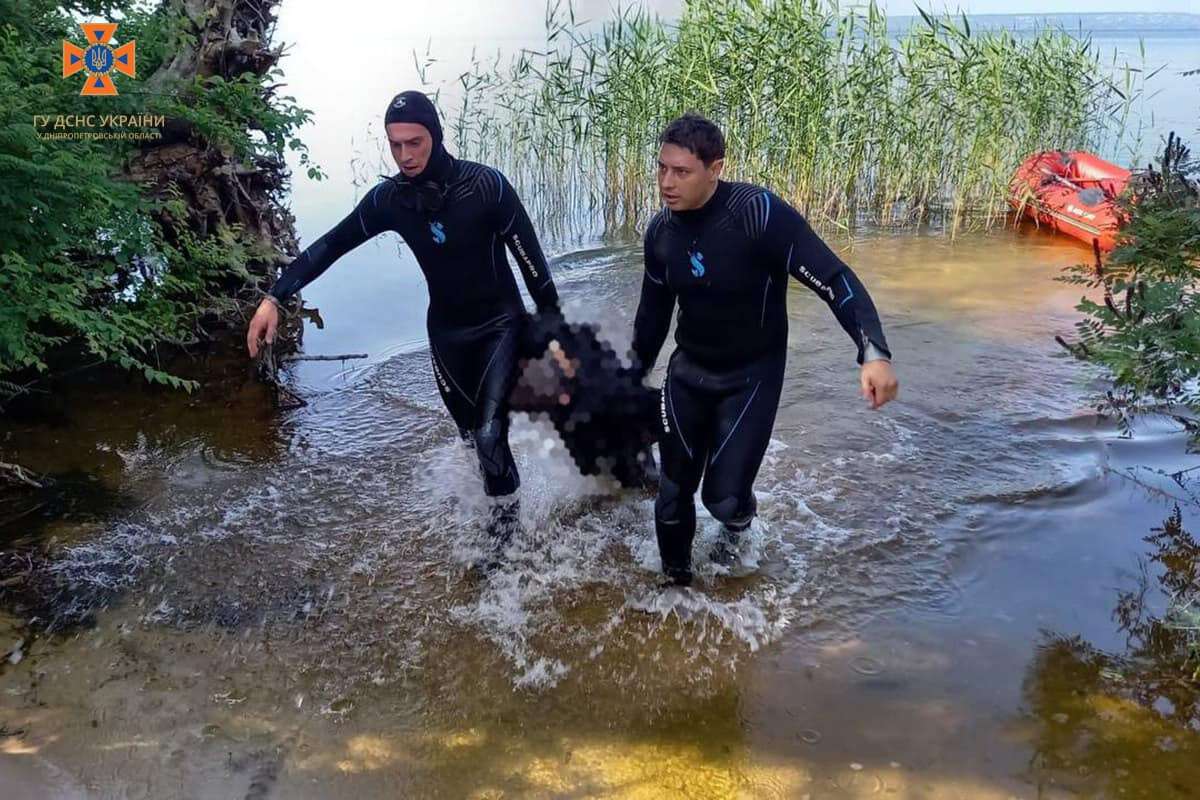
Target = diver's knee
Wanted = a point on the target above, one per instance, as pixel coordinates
(495, 459)
(489, 436)
(672, 500)
(736, 512)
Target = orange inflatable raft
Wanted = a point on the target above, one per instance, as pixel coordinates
(1073, 193)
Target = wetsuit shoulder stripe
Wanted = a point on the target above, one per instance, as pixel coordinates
(468, 179)
(485, 181)
(741, 193)
(752, 205)
(654, 223)
(361, 221)
(663, 216)
(375, 196)
(651, 233)
(499, 184)
(735, 198)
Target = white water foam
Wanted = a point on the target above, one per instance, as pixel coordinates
(583, 536)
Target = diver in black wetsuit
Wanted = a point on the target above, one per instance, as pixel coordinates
(457, 217)
(724, 251)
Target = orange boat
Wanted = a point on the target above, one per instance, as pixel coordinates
(1073, 193)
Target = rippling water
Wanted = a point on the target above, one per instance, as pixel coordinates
(233, 602)
(219, 600)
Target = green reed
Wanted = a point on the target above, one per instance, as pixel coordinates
(847, 120)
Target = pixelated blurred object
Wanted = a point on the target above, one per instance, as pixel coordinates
(605, 416)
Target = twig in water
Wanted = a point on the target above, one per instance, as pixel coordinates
(268, 372)
(23, 475)
(343, 357)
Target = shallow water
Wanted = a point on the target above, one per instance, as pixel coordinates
(234, 602)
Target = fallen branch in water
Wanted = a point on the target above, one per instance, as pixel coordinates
(1128, 474)
(268, 372)
(20, 474)
(1079, 350)
(343, 357)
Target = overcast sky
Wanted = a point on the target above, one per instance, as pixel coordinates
(492, 19)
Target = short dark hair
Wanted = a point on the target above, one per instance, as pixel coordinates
(698, 134)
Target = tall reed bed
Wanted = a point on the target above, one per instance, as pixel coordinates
(848, 121)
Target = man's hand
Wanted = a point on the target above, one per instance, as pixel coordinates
(567, 365)
(262, 327)
(879, 384)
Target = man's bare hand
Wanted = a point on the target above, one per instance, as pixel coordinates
(879, 384)
(567, 365)
(262, 327)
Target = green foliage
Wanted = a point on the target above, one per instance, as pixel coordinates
(243, 115)
(1170, 642)
(846, 118)
(85, 267)
(1142, 320)
(1179, 554)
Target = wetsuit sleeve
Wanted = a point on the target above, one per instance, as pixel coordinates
(653, 318)
(522, 242)
(368, 219)
(788, 239)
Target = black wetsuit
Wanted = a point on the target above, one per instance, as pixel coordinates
(727, 264)
(457, 217)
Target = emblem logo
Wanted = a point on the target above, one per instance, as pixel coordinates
(100, 60)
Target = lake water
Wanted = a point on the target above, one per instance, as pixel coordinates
(252, 604)
(348, 100)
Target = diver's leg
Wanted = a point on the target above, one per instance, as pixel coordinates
(496, 464)
(683, 449)
(745, 419)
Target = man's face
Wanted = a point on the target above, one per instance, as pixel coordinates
(684, 181)
(411, 145)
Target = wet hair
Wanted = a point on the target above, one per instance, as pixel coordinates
(698, 134)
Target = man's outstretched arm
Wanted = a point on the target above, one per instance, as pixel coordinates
(787, 238)
(365, 221)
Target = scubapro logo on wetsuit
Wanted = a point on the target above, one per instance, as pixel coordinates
(697, 260)
(400, 103)
(439, 233)
(437, 374)
(524, 257)
(813, 280)
(663, 407)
